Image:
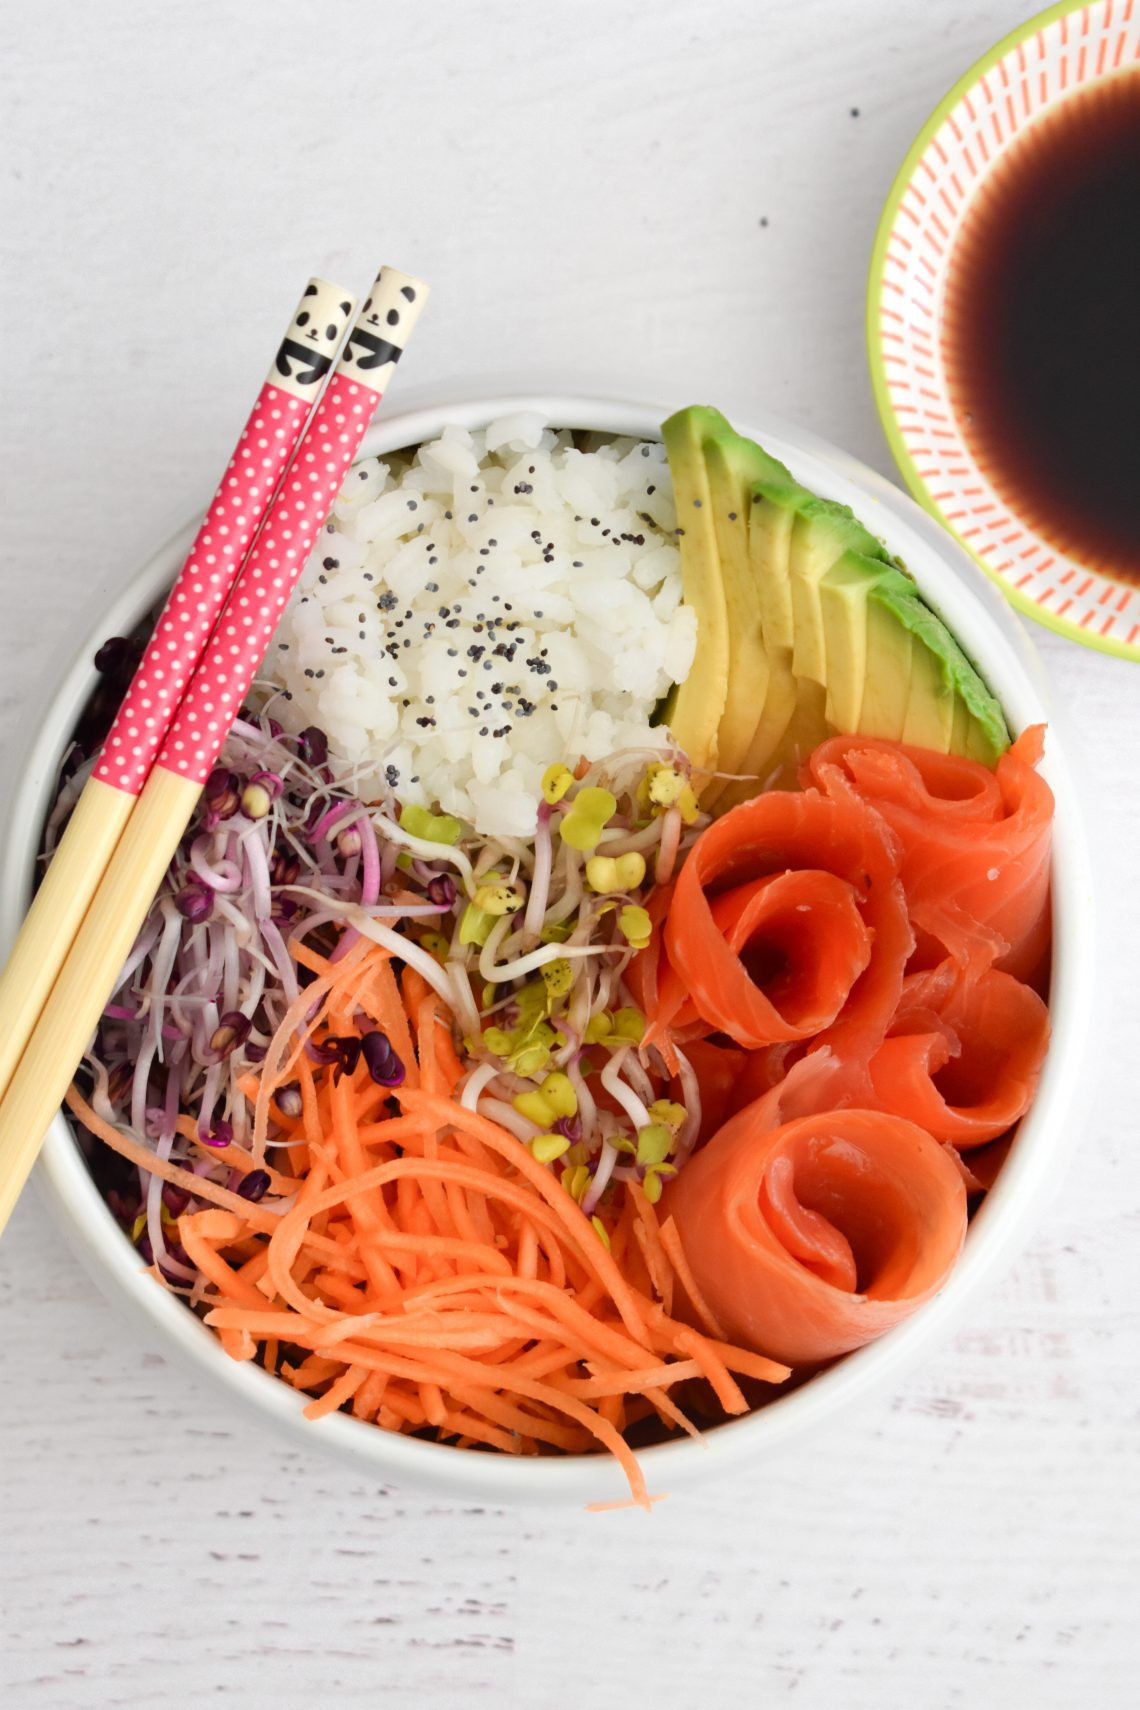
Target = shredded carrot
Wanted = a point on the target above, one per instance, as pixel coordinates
(671, 1243)
(434, 1276)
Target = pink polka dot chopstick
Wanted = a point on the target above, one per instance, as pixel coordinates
(267, 444)
(184, 741)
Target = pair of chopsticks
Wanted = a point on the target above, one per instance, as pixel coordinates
(279, 486)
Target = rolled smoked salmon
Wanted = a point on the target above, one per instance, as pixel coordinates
(975, 844)
(787, 922)
(964, 1054)
(811, 1233)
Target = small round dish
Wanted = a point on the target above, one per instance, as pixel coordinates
(978, 616)
(1067, 50)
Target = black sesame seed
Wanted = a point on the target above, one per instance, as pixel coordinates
(330, 563)
(387, 602)
(473, 517)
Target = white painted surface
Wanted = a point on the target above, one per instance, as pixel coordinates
(583, 184)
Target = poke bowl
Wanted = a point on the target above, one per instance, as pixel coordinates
(975, 613)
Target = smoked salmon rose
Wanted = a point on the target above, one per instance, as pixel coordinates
(810, 1230)
(976, 844)
(787, 923)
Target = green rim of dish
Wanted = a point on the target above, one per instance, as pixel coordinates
(1060, 626)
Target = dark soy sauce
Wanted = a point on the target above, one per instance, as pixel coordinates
(1042, 327)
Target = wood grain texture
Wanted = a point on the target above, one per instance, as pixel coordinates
(584, 185)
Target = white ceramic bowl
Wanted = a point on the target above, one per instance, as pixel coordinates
(975, 612)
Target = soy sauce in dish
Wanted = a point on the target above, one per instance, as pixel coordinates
(1041, 328)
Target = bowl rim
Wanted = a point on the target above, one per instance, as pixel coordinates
(876, 361)
(969, 603)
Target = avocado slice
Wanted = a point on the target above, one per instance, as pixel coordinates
(845, 611)
(734, 466)
(694, 710)
(894, 669)
(806, 626)
(824, 532)
(986, 734)
(770, 545)
(886, 691)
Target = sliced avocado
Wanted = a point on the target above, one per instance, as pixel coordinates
(844, 609)
(894, 669)
(986, 732)
(823, 533)
(769, 544)
(886, 690)
(734, 466)
(770, 523)
(929, 720)
(695, 710)
(806, 626)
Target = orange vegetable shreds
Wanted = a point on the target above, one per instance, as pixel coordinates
(436, 1276)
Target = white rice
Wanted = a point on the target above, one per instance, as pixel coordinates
(498, 601)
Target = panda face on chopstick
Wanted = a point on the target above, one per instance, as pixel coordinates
(312, 327)
(377, 339)
(308, 348)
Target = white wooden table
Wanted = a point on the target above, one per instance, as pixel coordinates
(686, 187)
